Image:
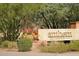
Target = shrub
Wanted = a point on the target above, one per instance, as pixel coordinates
(12, 44)
(74, 46)
(24, 44)
(0, 42)
(55, 48)
(61, 47)
(5, 44)
(9, 44)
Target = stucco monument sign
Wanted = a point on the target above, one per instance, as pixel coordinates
(58, 34)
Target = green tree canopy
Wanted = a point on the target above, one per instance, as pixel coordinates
(14, 17)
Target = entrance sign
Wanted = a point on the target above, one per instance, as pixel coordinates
(58, 34)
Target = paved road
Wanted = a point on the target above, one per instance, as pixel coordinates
(38, 54)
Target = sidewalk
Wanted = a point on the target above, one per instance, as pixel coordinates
(38, 54)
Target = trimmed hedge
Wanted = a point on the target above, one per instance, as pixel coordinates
(24, 44)
(61, 47)
(8, 44)
(55, 48)
(74, 46)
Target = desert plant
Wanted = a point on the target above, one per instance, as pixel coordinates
(61, 47)
(74, 46)
(12, 44)
(24, 44)
(55, 48)
(4, 44)
(0, 43)
(8, 44)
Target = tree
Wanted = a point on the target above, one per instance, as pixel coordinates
(53, 16)
(73, 13)
(57, 15)
(10, 21)
(14, 17)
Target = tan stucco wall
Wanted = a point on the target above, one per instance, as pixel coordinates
(77, 25)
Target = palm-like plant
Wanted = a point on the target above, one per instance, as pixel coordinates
(53, 16)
